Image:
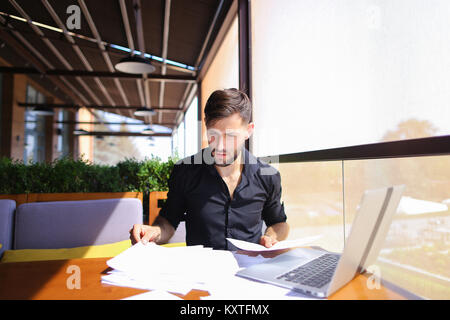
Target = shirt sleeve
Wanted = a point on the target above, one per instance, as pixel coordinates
(273, 211)
(175, 205)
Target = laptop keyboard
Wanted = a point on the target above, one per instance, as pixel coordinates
(315, 273)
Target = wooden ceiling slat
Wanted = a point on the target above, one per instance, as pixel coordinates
(189, 24)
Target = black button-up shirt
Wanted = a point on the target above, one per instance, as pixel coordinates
(198, 194)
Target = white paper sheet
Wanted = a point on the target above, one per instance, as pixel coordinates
(181, 269)
(175, 270)
(238, 288)
(285, 244)
(122, 279)
(245, 261)
(154, 295)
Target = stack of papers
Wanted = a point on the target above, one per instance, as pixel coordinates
(238, 288)
(176, 270)
(181, 269)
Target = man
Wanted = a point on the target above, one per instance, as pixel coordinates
(225, 191)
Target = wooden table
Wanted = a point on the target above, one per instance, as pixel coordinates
(48, 280)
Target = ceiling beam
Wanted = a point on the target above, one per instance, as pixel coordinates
(141, 45)
(164, 53)
(52, 48)
(105, 55)
(208, 57)
(189, 88)
(75, 106)
(40, 68)
(124, 134)
(108, 46)
(111, 123)
(11, 41)
(76, 48)
(126, 24)
(208, 35)
(101, 74)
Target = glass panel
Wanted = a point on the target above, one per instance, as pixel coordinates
(175, 150)
(34, 146)
(1, 99)
(181, 139)
(346, 73)
(312, 195)
(59, 144)
(415, 254)
(109, 150)
(65, 134)
(62, 147)
(192, 128)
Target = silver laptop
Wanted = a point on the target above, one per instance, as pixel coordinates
(320, 273)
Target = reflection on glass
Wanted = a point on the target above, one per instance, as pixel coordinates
(181, 141)
(34, 137)
(192, 128)
(415, 254)
(312, 195)
(109, 150)
(62, 146)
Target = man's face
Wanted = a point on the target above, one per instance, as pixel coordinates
(226, 138)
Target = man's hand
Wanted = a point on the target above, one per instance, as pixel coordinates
(274, 233)
(267, 241)
(144, 233)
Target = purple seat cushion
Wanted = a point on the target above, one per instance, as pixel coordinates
(7, 209)
(70, 224)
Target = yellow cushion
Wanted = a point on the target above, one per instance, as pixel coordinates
(100, 251)
(176, 244)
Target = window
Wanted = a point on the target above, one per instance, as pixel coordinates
(321, 198)
(329, 74)
(181, 141)
(415, 254)
(192, 128)
(175, 142)
(109, 150)
(1, 100)
(34, 146)
(62, 147)
(313, 201)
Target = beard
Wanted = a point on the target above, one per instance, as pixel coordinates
(228, 161)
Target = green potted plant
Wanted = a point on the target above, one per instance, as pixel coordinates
(69, 179)
(154, 176)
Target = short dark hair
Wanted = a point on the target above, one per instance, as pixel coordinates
(224, 103)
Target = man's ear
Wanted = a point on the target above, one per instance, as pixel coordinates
(250, 128)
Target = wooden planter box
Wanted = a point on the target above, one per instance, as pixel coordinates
(155, 204)
(18, 198)
(76, 196)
